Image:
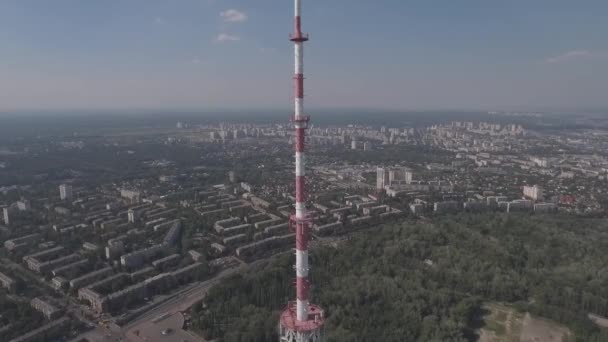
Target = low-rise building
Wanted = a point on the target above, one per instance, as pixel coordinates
(220, 249)
(109, 224)
(240, 229)
(143, 274)
(446, 207)
(26, 240)
(90, 278)
(132, 197)
(235, 240)
(44, 267)
(492, 201)
(91, 247)
(267, 223)
(115, 250)
(49, 311)
(474, 206)
(360, 220)
(165, 225)
(40, 334)
(168, 261)
(137, 258)
(417, 208)
(327, 229)
(220, 225)
(188, 273)
(71, 268)
(196, 256)
(376, 210)
(63, 211)
(59, 283)
(545, 208)
(519, 205)
(277, 229)
(8, 282)
(173, 235)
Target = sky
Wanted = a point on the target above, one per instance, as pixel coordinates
(235, 54)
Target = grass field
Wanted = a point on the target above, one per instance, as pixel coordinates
(504, 324)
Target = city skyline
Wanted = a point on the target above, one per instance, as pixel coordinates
(219, 54)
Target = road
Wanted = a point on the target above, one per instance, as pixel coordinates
(71, 305)
(178, 302)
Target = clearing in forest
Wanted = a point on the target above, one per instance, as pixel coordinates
(504, 324)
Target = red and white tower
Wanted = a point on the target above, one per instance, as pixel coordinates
(301, 321)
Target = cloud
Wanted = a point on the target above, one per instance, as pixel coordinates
(569, 55)
(225, 37)
(233, 16)
(159, 20)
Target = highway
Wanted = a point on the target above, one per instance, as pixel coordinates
(178, 302)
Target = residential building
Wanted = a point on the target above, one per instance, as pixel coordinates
(66, 192)
(7, 282)
(381, 178)
(533, 192)
(49, 311)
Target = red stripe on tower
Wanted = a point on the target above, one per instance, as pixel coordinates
(300, 139)
(298, 25)
(302, 238)
(303, 288)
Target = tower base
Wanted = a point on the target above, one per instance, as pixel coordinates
(295, 336)
(292, 330)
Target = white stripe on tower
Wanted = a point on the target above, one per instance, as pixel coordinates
(300, 171)
(299, 109)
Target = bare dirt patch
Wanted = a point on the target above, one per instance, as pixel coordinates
(505, 324)
(542, 330)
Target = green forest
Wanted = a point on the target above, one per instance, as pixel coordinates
(426, 280)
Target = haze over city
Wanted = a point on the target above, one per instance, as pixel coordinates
(303, 171)
(220, 54)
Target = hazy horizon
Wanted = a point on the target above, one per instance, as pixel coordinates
(287, 110)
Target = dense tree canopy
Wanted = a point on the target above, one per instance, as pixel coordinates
(425, 281)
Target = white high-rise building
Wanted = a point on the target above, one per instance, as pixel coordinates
(6, 215)
(409, 177)
(396, 176)
(381, 178)
(533, 192)
(132, 215)
(65, 192)
(133, 197)
(24, 205)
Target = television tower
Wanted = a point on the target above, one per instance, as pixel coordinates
(301, 321)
